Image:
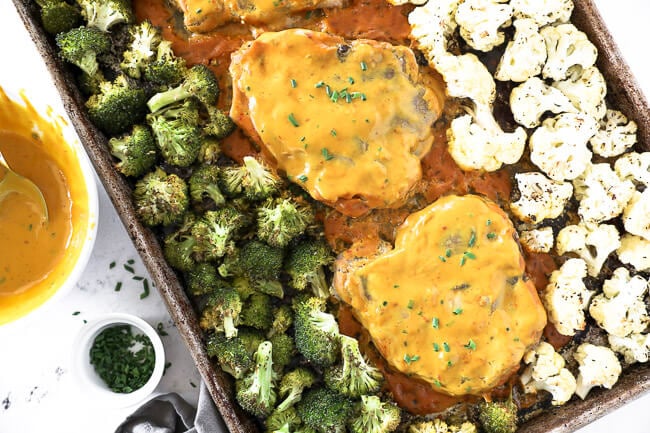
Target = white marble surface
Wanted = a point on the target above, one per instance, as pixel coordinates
(37, 392)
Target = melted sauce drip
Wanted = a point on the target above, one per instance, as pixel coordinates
(36, 257)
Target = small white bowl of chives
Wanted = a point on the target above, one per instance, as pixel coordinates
(119, 360)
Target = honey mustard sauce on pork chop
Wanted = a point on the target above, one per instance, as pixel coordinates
(347, 121)
(450, 303)
(203, 16)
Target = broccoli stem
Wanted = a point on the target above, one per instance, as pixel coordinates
(162, 99)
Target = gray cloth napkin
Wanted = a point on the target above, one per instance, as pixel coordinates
(170, 413)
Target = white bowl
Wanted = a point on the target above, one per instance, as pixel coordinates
(92, 388)
(68, 271)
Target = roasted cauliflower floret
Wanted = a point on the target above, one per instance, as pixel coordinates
(586, 91)
(433, 24)
(559, 146)
(635, 251)
(567, 48)
(592, 243)
(602, 194)
(634, 167)
(615, 136)
(599, 366)
(537, 240)
(620, 309)
(476, 141)
(543, 12)
(566, 297)
(636, 216)
(480, 21)
(546, 372)
(540, 197)
(634, 348)
(531, 99)
(525, 54)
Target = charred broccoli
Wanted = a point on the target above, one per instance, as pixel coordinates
(178, 246)
(117, 107)
(219, 124)
(282, 320)
(324, 410)
(166, 69)
(292, 386)
(136, 151)
(316, 332)
(281, 220)
(284, 350)
(256, 391)
(283, 421)
(199, 82)
(203, 278)
(204, 185)
(257, 312)
(58, 16)
(305, 265)
(103, 14)
(209, 151)
(374, 416)
(81, 46)
(160, 198)
(214, 232)
(498, 416)
(231, 353)
(353, 377)
(140, 52)
(177, 133)
(221, 311)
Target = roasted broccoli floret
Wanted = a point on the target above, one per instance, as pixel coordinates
(204, 184)
(90, 84)
(257, 312)
(136, 151)
(210, 150)
(243, 287)
(262, 263)
(219, 123)
(256, 391)
(58, 16)
(316, 332)
(284, 350)
(117, 107)
(178, 246)
(324, 410)
(166, 69)
(283, 421)
(498, 416)
(221, 311)
(199, 82)
(177, 133)
(81, 46)
(281, 220)
(231, 353)
(353, 377)
(145, 38)
(306, 263)
(282, 320)
(160, 198)
(203, 278)
(214, 232)
(103, 14)
(251, 338)
(375, 416)
(293, 384)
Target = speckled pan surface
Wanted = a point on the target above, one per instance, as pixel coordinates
(623, 92)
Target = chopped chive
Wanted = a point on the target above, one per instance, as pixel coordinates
(445, 346)
(470, 345)
(470, 255)
(161, 329)
(118, 286)
(112, 265)
(293, 83)
(472, 239)
(435, 323)
(137, 278)
(384, 303)
(333, 132)
(442, 259)
(437, 383)
(326, 154)
(130, 261)
(76, 313)
(449, 363)
(457, 311)
(192, 384)
(293, 120)
(319, 84)
(436, 347)
(350, 80)
(491, 235)
(462, 260)
(129, 269)
(302, 178)
(410, 304)
(488, 222)
(145, 291)
(448, 252)
(363, 66)
(411, 358)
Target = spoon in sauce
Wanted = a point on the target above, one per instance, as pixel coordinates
(13, 182)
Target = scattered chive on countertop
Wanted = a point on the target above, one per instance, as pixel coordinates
(123, 359)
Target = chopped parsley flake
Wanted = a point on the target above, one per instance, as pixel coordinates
(326, 154)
